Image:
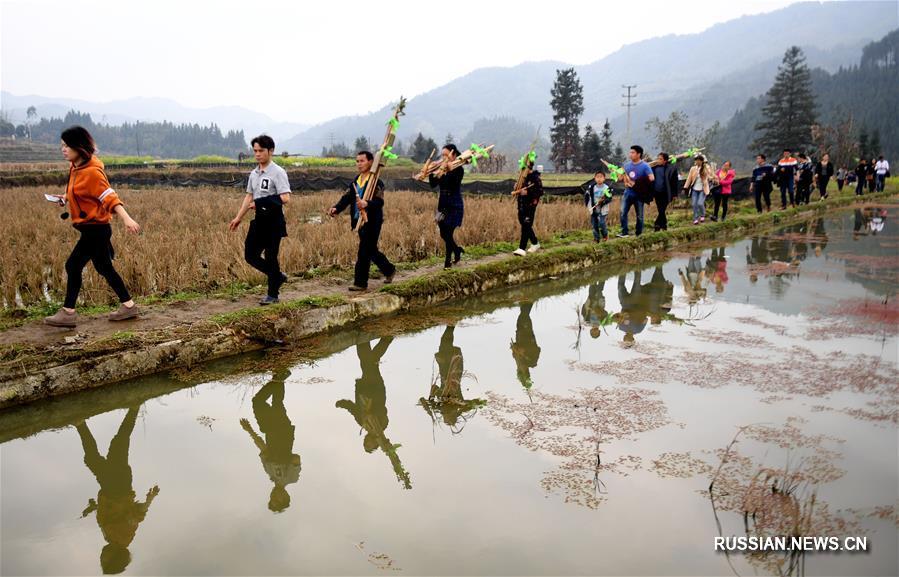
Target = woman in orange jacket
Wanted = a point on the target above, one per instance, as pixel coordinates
(91, 202)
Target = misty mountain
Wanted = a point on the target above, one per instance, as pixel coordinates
(712, 73)
(118, 112)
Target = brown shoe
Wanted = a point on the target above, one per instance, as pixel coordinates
(62, 318)
(124, 313)
(389, 278)
(357, 289)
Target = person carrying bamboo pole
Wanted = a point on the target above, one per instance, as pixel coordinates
(370, 230)
(450, 206)
(528, 198)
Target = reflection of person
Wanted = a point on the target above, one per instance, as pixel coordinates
(819, 236)
(877, 221)
(635, 306)
(661, 293)
(716, 265)
(693, 278)
(118, 512)
(276, 450)
(447, 399)
(370, 406)
(525, 350)
(858, 224)
(594, 310)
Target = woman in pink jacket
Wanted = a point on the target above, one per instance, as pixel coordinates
(725, 177)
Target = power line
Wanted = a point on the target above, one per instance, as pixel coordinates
(630, 96)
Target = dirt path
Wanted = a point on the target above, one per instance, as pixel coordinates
(187, 312)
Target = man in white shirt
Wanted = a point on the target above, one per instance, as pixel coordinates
(881, 168)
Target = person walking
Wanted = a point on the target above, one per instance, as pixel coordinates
(268, 190)
(725, 178)
(370, 231)
(528, 199)
(762, 183)
(697, 187)
(638, 177)
(450, 206)
(823, 173)
(91, 203)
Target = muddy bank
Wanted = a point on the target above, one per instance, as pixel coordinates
(29, 373)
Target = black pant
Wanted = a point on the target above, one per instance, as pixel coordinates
(803, 192)
(721, 199)
(94, 246)
(860, 187)
(446, 233)
(526, 220)
(661, 199)
(369, 253)
(265, 237)
(840, 185)
(758, 199)
(822, 186)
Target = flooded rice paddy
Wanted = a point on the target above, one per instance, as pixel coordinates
(611, 422)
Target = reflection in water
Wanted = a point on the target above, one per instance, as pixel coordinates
(693, 279)
(716, 267)
(594, 311)
(652, 300)
(118, 511)
(276, 450)
(370, 408)
(525, 350)
(447, 398)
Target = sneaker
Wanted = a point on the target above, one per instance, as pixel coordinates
(622, 235)
(519, 252)
(534, 248)
(389, 277)
(357, 289)
(696, 221)
(701, 219)
(269, 300)
(124, 313)
(62, 318)
(713, 218)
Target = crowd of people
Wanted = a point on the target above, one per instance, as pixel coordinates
(92, 202)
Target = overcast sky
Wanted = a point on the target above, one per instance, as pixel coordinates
(311, 61)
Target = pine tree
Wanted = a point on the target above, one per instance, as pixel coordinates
(590, 150)
(421, 148)
(619, 154)
(789, 113)
(361, 143)
(605, 141)
(568, 105)
(449, 138)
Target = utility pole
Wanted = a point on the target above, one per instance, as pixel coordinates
(331, 140)
(630, 96)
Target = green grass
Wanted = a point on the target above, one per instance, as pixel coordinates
(301, 304)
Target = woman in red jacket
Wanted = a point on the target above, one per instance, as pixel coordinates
(91, 202)
(725, 177)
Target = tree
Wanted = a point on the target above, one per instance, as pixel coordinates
(618, 154)
(361, 144)
(421, 148)
(590, 150)
(568, 105)
(672, 135)
(30, 116)
(838, 140)
(398, 148)
(449, 138)
(606, 149)
(789, 112)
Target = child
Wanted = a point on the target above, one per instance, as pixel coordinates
(598, 198)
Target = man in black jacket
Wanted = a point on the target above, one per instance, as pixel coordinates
(370, 231)
(664, 187)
